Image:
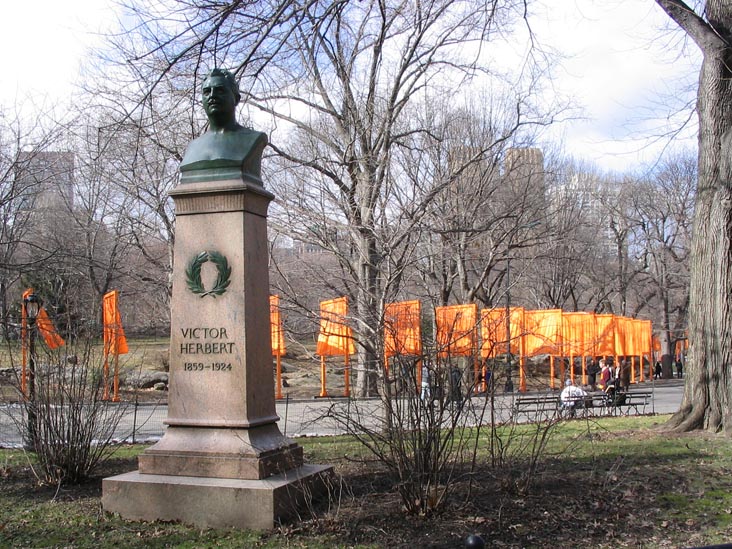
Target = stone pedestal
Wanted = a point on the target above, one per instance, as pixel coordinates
(215, 502)
(223, 460)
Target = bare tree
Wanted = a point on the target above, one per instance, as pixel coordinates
(22, 180)
(558, 277)
(130, 144)
(663, 205)
(359, 76)
(487, 191)
(340, 80)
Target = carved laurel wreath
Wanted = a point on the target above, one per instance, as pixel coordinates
(193, 274)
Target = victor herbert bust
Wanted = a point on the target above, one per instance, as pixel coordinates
(227, 150)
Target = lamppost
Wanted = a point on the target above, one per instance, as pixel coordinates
(32, 305)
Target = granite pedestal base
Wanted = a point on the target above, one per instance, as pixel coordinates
(248, 454)
(215, 502)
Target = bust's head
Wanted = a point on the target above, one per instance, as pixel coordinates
(220, 95)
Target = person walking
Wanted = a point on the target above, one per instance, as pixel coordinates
(425, 395)
(593, 368)
(605, 374)
(456, 394)
(625, 374)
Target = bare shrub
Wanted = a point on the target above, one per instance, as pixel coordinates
(433, 437)
(67, 424)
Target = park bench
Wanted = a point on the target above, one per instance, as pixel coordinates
(542, 403)
(548, 404)
(635, 400)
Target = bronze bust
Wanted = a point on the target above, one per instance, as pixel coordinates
(227, 150)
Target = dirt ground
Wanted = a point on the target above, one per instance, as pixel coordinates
(569, 506)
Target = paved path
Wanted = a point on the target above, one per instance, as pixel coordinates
(306, 417)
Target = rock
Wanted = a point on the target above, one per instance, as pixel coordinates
(160, 386)
(145, 380)
(285, 383)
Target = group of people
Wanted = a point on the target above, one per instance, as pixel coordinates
(573, 397)
(677, 364)
(427, 392)
(612, 378)
(602, 373)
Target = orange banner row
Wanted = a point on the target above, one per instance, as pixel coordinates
(458, 327)
(559, 333)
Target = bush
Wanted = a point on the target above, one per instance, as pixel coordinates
(433, 439)
(68, 425)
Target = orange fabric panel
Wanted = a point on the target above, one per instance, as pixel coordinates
(43, 323)
(277, 334)
(493, 331)
(48, 331)
(457, 329)
(605, 340)
(681, 346)
(646, 337)
(623, 336)
(578, 333)
(335, 337)
(402, 328)
(517, 320)
(656, 344)
(543, 332)
(115, 341)
(637, 340)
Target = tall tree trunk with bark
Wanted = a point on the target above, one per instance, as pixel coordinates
(708, 392)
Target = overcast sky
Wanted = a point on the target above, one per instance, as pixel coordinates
(43, 43)
(628, 72)
(621, 67)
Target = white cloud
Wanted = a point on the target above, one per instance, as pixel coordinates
(623, 69)
(618, 63)
(43, 42)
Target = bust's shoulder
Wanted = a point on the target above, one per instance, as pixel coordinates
(227, 139)
(224, 155)
(234, 146)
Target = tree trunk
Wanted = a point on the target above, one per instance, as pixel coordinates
(707, 397)
(367, 314)
(706, 402)
(4, 312)
(667, 358)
